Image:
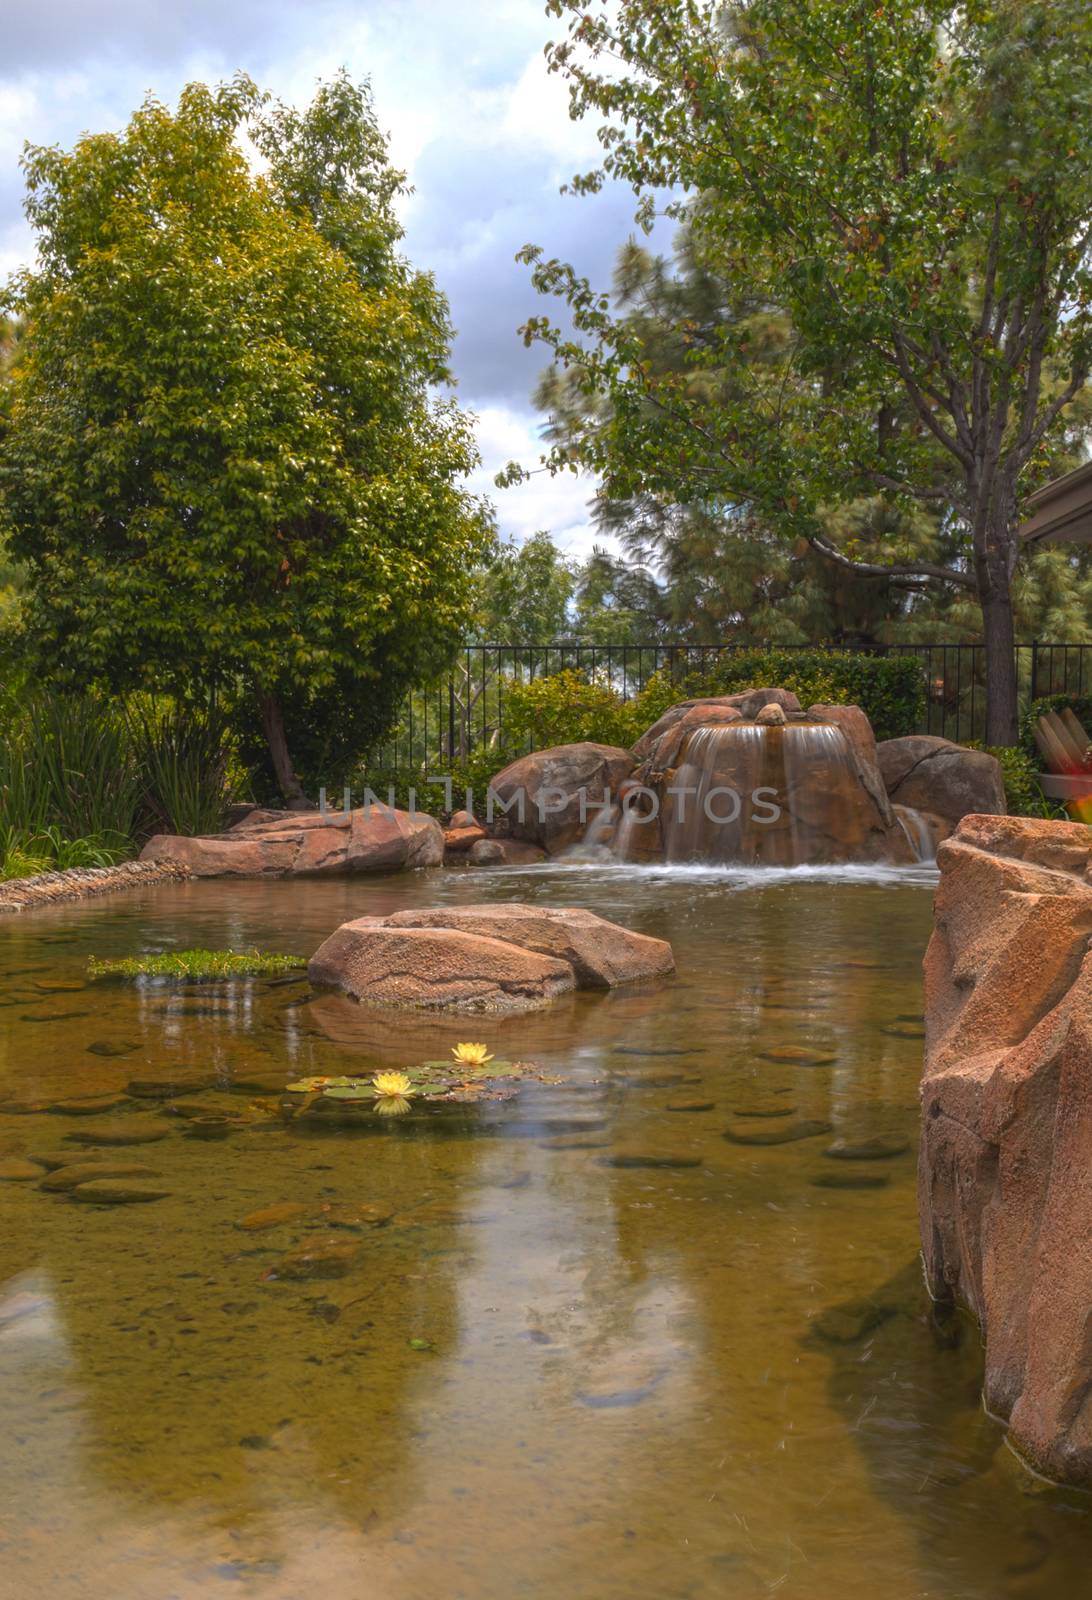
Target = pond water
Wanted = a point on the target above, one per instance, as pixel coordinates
(596, 1348)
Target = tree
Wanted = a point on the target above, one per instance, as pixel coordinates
(705, 571)
(221, 463)
(910, 184)
(523, 594)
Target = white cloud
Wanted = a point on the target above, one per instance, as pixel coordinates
(560, 505)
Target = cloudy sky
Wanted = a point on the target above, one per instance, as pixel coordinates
(472, 115)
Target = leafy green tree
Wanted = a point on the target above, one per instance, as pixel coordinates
(700, 570)
(909, 184)
(222, 463)
(523, 594)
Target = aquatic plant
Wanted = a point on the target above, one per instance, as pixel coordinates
(395, 1084)
(195, 965)
(471, 1055)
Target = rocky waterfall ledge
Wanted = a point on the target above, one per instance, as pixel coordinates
(1005, 1177)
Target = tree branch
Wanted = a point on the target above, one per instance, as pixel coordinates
(897, 569)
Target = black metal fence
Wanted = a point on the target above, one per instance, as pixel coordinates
(464, 712)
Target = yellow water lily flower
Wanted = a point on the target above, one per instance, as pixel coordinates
(395, 1084)
(471, 1055)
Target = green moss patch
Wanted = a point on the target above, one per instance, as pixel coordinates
(195, 965)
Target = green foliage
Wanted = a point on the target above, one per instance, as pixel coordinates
(222, 463)
(67, 763)
(1019, 771)
(76, 767)
(197, 965)
(570, 706)
(22, 855)
(895, 201)
(565, 708)
(524, 593)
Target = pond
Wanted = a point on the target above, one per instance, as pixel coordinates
(577, 1343)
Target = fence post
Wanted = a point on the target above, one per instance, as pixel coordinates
(451, 715)
(1034, 670)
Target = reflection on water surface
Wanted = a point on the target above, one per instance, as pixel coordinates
(577, 1343)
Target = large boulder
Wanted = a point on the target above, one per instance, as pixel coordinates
(436, 969)
(601, 953)
(946, 779)
(310, 843)
(548, 797)
(503, 957)
(1006, 1149)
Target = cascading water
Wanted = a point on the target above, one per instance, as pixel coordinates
(918, 835)
(756, 794)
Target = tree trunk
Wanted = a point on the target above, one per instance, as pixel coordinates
(1001, 704)
(996, 559)
(273, 724)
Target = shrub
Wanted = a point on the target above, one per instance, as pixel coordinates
(565, 708)
(1019, 770)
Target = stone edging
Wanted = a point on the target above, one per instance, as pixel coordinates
(79, 883)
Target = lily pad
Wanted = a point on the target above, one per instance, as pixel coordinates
(319, 1085)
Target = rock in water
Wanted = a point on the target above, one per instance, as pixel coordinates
(318, 1258)
(878, 1149)
(13, 1169)
(308, 843)
(497, 957)
(1006, 1136)
(118, 1192)
(273, 1216)
(71, 1176)
(780, 1133)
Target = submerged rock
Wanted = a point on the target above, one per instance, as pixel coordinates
(672, 1159)
(798, 1055)
(877, 1149)
(850, 1180)
(783, 1133)
(316, 1258)
(847, 1323)
(273, 1216)
(14, 1169)
(118, 1192)
(146, 1134)
(78, 1172)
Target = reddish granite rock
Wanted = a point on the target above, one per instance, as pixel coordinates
(308, 843)
(541, 793)
(947, 779)
(600, 953)
(1004, 1192)
(457, 841)
(436, 969)
(503, 957)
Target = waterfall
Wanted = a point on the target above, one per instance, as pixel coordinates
(918, 836)
(755, 794)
